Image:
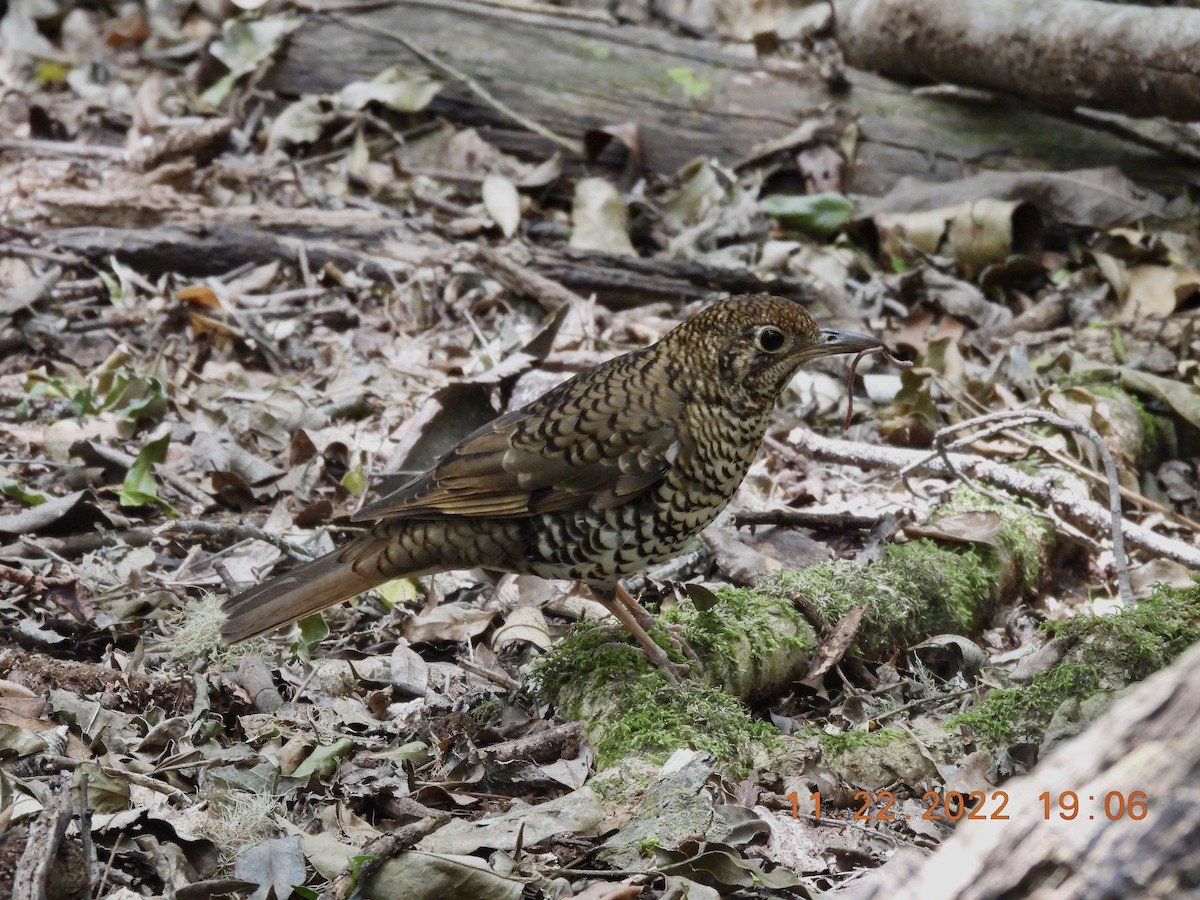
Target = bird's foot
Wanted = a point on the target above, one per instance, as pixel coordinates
(677, 638)
(638, 623)
(646, 621)
(658, 658)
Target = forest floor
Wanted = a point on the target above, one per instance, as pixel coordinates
(228, 317)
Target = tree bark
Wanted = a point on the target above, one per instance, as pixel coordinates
(1136, 60)
(689, 98)
(1148, 742)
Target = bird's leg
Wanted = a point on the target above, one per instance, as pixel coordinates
(636, 609)
(647, 622)
(654, 653)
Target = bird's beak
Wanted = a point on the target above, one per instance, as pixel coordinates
(832, 342)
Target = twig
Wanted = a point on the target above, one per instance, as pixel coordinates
(1000, 421)
(544, 746)
(379, 850)
(255, 677)
(548, 293)
(922, 701)
(68, 764)
(113, 318)
(1086, 514)
(446, 206)
(29, 881)
(112, 857)
(76, 545)
(238, 531)
(498, 678)
(1139, 499)
(965, 477)
(806, 518)
(66, 259)
(35, 147)
(474, 86)
(85, 833)
(69, 593)
(227, 579)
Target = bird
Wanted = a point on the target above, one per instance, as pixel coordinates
(611, 472)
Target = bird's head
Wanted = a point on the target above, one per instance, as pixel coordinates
(753, 345)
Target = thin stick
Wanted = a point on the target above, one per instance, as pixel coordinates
(478, 89)
(1002, 420)
(239, 531)
(1083, 513)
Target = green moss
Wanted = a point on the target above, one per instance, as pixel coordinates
(741, 612)
(1027, 537)
(925, 587)
(847, 741)
(660, 718)
(620, 786)
(1102, 653)
(487, 709)
(647, 846)
(749, 639)
(914, 590)
(1140, 640)
(592, 652)
(594, 667)
(1022, 713)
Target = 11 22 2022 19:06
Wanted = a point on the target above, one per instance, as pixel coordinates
(979, 806)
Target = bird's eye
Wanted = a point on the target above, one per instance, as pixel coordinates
(769, 339)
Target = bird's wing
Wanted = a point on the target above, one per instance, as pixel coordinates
(569, 450)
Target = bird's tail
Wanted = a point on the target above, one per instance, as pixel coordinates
(312, 587)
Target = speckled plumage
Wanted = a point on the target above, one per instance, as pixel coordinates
(612, 471)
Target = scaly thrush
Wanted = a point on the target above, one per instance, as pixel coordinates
(612, 471)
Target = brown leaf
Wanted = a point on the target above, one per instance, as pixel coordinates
(450, 622)
(834, 645)
(974, 527)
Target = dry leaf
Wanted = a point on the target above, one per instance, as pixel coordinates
(599, 219)
(502, 202)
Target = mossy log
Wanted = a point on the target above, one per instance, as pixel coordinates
(754, 644)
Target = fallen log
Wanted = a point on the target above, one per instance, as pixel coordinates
(689, 98)
(1114, 56)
